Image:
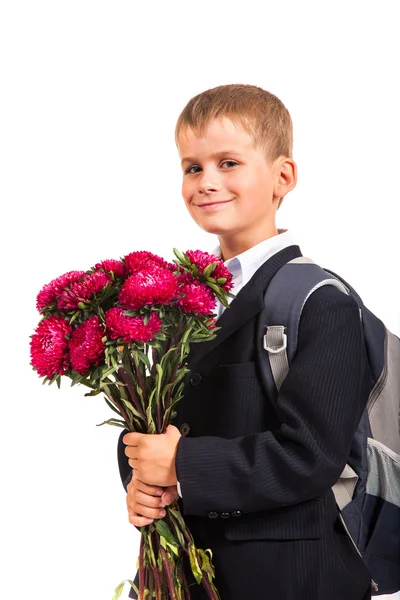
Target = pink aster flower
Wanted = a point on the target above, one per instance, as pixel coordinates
(203, 259)
(49, 346)
(82, 291)
(141, 260)
(131, 329)
(198, 297)
(153, 286)
(51, 291)
(86, 345)
(116, 266)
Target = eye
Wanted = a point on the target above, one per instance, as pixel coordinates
(189, 170)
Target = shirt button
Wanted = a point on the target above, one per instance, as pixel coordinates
(184, 428)
(195, 378)
(212, 515)
(236, 513)
(225, 515)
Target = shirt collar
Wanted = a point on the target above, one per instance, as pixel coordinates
(244, 265)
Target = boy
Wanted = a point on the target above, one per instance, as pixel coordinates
(254, 476)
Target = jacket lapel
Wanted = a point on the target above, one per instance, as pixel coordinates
(248, 302)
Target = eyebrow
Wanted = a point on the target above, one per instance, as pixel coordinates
(214, 155)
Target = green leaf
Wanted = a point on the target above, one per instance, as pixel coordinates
(151, 427)
(164, 530)
(205, 562)
(144, 358)
(178, 255)
(151, 551)
(131, 408)
(196, 570)
(115, 422)
(214, 287)
(93, 393)
(111, 405)
(209, 269)
(174, 549)
(118, 590)
(120, 587)
(108, 372)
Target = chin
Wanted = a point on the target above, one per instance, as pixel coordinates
(214, 228)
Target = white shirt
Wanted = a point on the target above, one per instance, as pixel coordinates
(244, 265)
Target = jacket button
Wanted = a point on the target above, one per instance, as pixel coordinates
(195, 378)
(212, 515)
(225, 515)
(184, 428)
(236, 513)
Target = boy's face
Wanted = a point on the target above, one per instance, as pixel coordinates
(225, 171)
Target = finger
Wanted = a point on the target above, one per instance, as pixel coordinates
(131, 439)
(147, 500)
(131, 451)
(167, 499)
(146, 511)
(150, 513)
(139, 521)
(151, 490)
(170, 494)
(145, 505)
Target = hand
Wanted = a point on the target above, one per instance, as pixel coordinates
(144, 503)
(152, 455)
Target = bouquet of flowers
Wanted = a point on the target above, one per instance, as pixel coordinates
(123, 329)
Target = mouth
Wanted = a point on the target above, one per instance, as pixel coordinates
(211, 205)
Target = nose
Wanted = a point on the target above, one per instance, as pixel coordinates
(209, 182)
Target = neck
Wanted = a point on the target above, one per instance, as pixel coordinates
(232, 245)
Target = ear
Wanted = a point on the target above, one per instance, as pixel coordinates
(286, 176)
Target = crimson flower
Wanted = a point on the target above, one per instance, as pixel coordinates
(86, 346)
(203, 259)
(211, 323)
(141, 260)
(198, 297)
(131, 329)
(116, 266)
(152, 286)
(51, 291)
(82, 291)
(49, 346)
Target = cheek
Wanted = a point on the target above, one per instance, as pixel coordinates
(187, 191)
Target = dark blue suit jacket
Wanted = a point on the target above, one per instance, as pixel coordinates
(256, 475)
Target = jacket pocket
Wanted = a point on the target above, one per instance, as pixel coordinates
(237, 370)
(296, 522)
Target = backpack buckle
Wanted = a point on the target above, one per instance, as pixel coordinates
(275, 340)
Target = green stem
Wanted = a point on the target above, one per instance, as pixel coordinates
(167, 567)
(141, 568)
(142, 384)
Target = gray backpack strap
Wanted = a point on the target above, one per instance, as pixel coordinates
(284, 300)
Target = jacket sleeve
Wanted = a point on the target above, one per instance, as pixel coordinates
(319, 405)
(125, 470)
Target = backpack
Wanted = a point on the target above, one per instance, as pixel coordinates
(368, 490)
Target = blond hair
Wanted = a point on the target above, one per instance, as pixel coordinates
(261, 114)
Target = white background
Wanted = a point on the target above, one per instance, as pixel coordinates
(91, 92)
